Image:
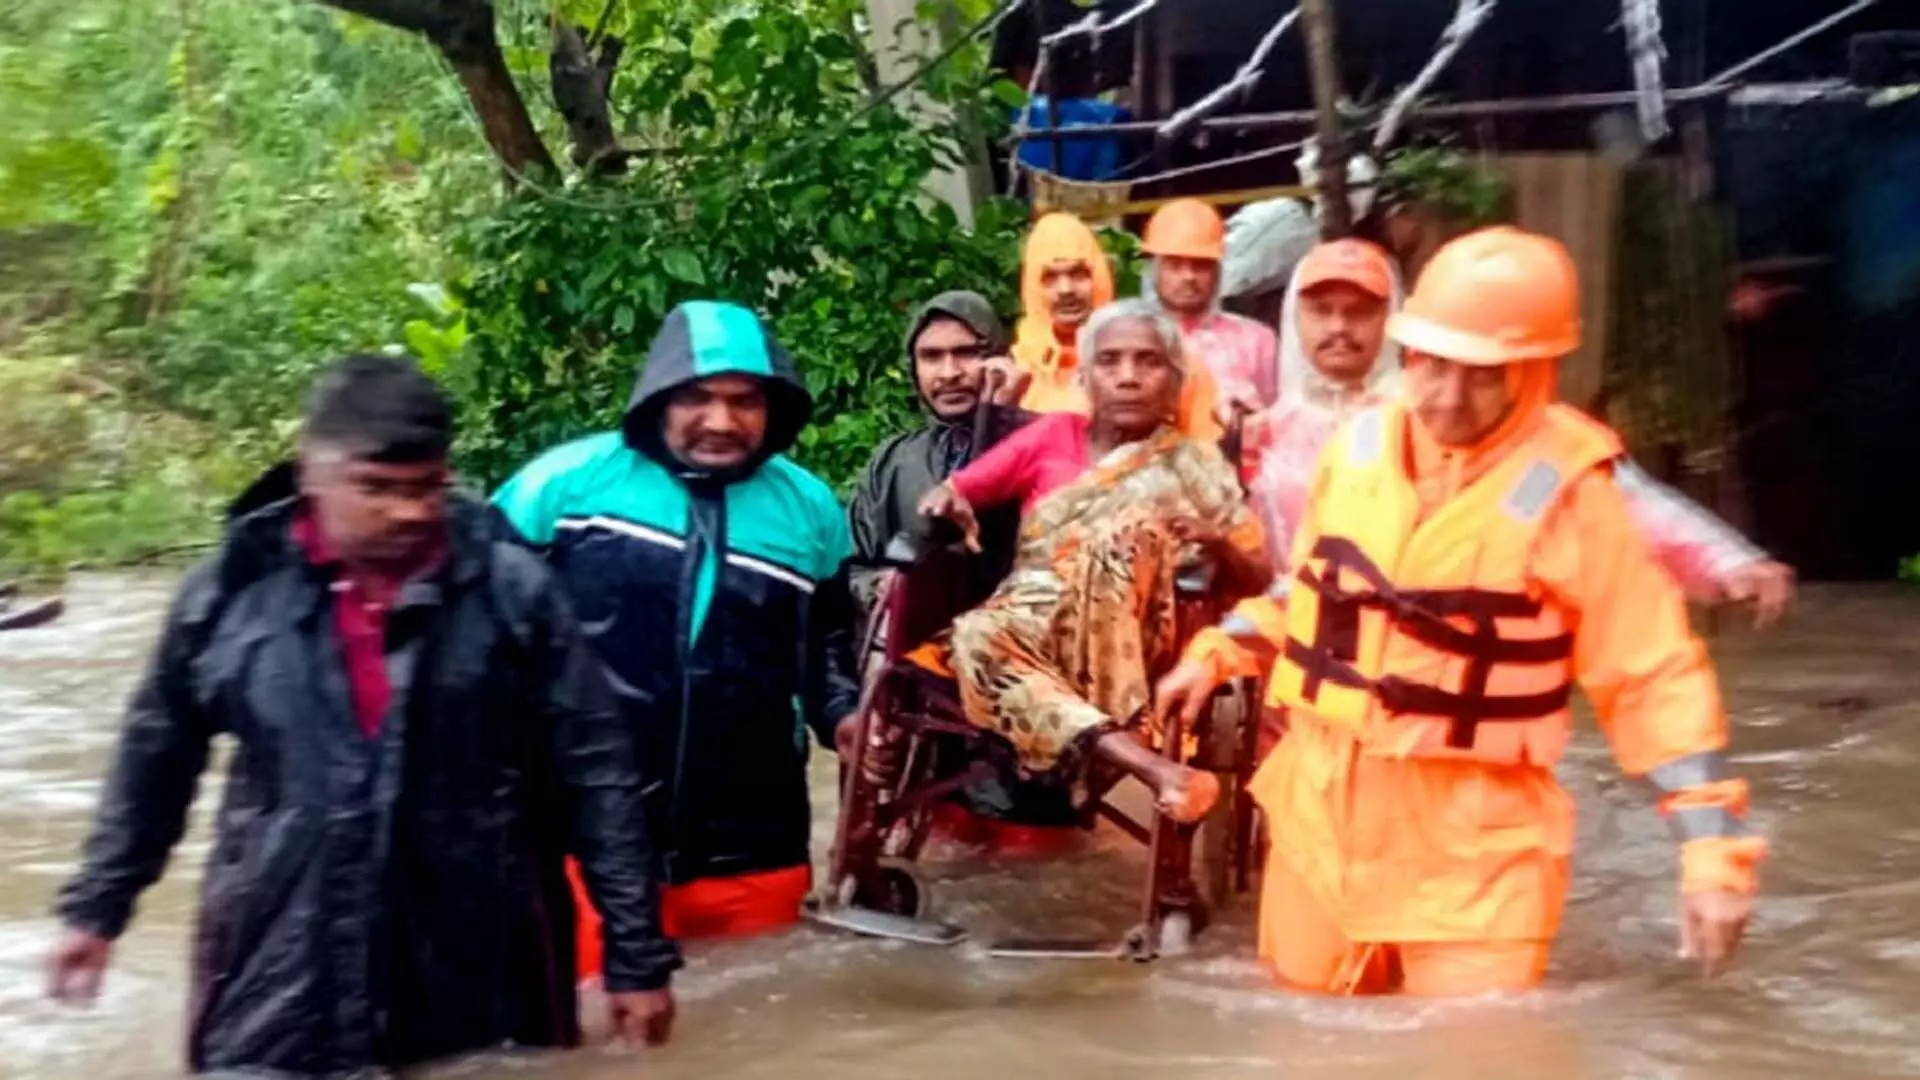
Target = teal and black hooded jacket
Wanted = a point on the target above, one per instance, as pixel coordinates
(718, 602)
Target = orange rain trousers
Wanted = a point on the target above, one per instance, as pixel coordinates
(1428, 877)
(709, 908)
(1303, 948)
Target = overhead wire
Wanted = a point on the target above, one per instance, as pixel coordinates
(1765, 55)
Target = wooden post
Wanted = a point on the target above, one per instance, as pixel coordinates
(1336, 215)
(1049, 85)
(1147, 86)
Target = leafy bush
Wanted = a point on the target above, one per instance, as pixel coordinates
(204, 200)
(83, 477)
(244, 189)
(784, 192)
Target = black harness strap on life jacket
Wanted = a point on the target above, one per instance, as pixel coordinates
(1423, 614)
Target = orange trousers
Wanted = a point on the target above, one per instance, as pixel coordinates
(958, 825)
(1302, 945)
(709, 908)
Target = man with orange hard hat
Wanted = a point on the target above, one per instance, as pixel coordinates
(1187, 240)
(1464, 559)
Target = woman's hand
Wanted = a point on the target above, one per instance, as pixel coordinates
(944, 502)
(643, 1017)
(1238, 398)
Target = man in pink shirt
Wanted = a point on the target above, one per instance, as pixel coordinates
(1187, 240)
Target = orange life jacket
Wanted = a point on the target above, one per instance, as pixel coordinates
(1426, 638)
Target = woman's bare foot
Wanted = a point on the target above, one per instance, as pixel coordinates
(1188, 795)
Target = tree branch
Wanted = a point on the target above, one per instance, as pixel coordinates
(428, 17)
(600, 27)
(463, 31)
(581, 86)
(1467, 18)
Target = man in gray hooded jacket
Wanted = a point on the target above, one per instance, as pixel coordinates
(954, 340)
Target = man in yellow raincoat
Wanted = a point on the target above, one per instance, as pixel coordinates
(1463, 561)
(1064, 278)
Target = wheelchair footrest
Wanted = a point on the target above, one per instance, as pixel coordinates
(880, 924)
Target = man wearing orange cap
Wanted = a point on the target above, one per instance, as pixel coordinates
(1187, 240)
(1464, 558)
(1334, 361)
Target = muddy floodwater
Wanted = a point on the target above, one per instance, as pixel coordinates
(1827, 726)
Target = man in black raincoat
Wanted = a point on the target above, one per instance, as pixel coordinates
(955, 339)
(421, 735)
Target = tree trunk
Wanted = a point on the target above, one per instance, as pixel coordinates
(1323, 61)
(463, 31)
(581, 84)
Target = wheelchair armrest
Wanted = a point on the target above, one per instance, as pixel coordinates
(916, 542)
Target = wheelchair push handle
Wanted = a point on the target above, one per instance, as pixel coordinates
(927, 537)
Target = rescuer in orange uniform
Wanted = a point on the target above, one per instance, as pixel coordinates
(1464, 560)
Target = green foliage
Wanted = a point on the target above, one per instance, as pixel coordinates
(1668, 370)
(1448, 182)
(1909, 570)
(84, 478)
(783, 192)
(246, 189)
(207, 199)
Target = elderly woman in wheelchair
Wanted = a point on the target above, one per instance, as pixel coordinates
(1127, 526)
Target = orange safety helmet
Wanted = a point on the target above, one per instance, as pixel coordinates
(1186, 228)
(1495, 296)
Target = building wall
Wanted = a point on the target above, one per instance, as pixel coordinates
(1574, 198)
(900, 44)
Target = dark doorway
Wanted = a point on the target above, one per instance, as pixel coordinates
(1827, 306)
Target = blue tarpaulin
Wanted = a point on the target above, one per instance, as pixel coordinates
(1080, 159)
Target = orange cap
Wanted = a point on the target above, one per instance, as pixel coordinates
(1186, 228)
(1359, 263)
(1491, 297)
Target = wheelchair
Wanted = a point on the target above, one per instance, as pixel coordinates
(916, 749)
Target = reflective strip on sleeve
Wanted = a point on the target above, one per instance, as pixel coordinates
(1239, 626)
(1694, 770)
(1702, 822)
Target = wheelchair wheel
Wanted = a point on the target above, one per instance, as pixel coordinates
(895, 888)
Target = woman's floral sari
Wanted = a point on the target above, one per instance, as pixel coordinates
(1066, 647)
